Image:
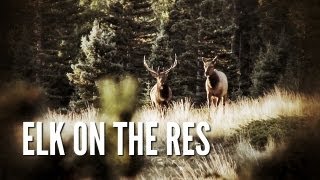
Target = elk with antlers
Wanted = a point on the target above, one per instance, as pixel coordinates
(216, 83)
(160, 93)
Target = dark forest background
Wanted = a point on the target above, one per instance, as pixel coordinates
(65, 46)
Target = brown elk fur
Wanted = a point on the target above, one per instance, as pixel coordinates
(216, 84)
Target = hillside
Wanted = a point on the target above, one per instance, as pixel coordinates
(248, 131)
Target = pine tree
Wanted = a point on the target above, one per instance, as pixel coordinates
(144, 32)
(276, 20)
(246, 41)
(269, 67)
(105, 51)
(183, 34)
(161, 10)
(44, 44)
(277, 35)
(22, 45)
(161, 52)
(21, 48)
(216, 29)
(132, 23)
(98, 60)
(198, 29)
(56, 43)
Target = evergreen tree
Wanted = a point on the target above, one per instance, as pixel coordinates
(144, 33)
(269, 67)
(198, 29)
(246, 40)
(307, 24)
(183, 34)
(132, 23)
(105, 51)
(46, 44)
(282, 50)
(216, 29)
(162, 9)
(22, 44)
(98, 50)
(161, 52)
(144, 28)
(22, 52)
(60, 45)
(277, 20)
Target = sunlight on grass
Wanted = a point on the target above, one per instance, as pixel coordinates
(272, 105)
(221, 163)
(218, 164)
(87, 116)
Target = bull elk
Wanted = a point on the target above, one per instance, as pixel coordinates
(160, 93)
(216, 83)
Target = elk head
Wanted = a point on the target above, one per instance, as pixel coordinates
(209, 66)
(161, 76)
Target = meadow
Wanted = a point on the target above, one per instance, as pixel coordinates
(246, 132)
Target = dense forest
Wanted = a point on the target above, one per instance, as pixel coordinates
(65, 46)
(54, 53)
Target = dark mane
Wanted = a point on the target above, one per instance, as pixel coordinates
(214, 79)
(164, 93)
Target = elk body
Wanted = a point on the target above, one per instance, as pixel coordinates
(216, 83)
(160, 93)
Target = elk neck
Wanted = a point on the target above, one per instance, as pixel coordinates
(163, 90)
(213, 79)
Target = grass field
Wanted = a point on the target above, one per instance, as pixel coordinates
(249, 130)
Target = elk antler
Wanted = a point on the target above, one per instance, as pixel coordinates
(215, 58)
(146, 65)
(174, 64)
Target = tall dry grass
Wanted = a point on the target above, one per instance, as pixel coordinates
(272, 105)
(219, 163)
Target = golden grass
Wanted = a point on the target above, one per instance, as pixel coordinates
(272, 105)
(88, 115)
(219, 163)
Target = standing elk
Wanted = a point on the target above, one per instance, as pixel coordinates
(160, 93)
(216, 83)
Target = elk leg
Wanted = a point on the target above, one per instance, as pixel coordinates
(165, 108)
(224, 103)
(162, 112)
(219, 100)
(215, 100)
(209, 100)
(224, 100)
(153, 104)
